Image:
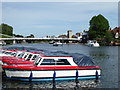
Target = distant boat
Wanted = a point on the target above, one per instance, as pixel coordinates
(57, 44)
(2, 43)
(92, 43)
(51, 42)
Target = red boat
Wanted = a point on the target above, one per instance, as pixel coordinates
(21, 57)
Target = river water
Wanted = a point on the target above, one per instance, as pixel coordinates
(105, 56)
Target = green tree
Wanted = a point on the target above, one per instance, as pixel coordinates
(6, 29)
(18, 35)
(98, 27)
(0, 28)
(108, 37)
(31, 36)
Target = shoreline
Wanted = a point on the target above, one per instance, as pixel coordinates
(114, 44)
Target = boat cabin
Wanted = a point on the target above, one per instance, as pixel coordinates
(55, 61)
(4, 52)
(83, 61)
(27, 55)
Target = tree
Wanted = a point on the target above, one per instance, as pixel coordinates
(6, 29)
(108, 37)
(18, 35)
(98, 27)
(31, 36)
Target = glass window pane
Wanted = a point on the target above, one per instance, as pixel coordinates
(48, 62)
(62, 62)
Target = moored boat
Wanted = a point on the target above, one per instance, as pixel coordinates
(21, 57)
(62, 67)
(92, 43)
(57, 44)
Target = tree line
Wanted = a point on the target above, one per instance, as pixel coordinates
(99, 29)
(7, 31)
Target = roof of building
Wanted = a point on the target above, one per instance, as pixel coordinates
(116, 29)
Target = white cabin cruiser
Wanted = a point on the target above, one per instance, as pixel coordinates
(92, 43)
(60, 67)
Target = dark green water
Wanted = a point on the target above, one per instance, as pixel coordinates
(105, 56)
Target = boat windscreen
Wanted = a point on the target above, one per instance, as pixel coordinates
(84, 61)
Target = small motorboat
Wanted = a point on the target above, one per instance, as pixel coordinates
(92, 43)
(57, 67)
(57, 44)
(2, 43)
(51, 42)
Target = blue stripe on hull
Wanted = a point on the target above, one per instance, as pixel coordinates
(50, 79)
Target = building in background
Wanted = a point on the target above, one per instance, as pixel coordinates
(69, 33)
(116, 32)
(79, 35)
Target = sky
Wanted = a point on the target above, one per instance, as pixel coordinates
(55, 18)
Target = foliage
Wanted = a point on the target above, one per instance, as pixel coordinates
(108, 37)
(19, 35)
(31, 36)
(98, 27)
(6, 29)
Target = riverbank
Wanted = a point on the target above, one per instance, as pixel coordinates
(80, 43)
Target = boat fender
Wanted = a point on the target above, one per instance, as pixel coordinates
(54, 76)
(77, 74)
(97, 76)
(30, 77)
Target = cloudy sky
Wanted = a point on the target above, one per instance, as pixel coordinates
(55, 18)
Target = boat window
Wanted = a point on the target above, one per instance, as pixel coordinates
(37, 61)
(29, 57)
(21, 55)
(3, 51)
(48, 62)
(13, 53)
(34, 57)
(26, 55)
(62, 62)
(8, 53)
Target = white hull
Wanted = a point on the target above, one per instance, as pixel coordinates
(49, 74)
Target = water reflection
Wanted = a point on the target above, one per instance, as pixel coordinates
(49, 84)
(107, 59)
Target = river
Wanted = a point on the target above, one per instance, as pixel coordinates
(105, 56)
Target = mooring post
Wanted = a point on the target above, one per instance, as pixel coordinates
(54, 76)
(31, 76)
